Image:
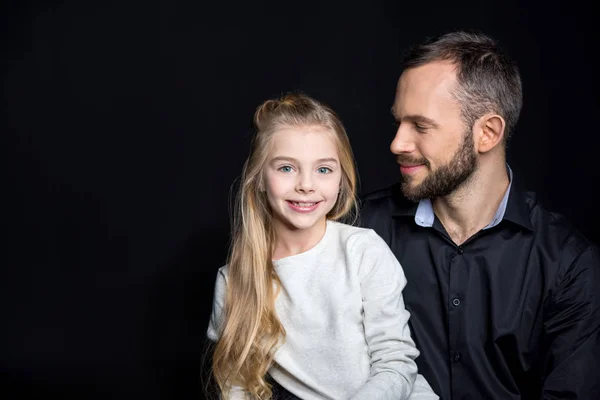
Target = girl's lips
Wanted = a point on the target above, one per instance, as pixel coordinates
(303, 207)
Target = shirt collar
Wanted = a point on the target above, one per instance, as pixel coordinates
(513, 207)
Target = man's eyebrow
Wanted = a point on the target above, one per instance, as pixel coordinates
(420, 119)
(415, 118)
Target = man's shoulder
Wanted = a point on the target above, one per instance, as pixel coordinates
(553, 228)
(382, 194)
(387, 200)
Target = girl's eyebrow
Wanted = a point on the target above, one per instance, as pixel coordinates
(293, 160)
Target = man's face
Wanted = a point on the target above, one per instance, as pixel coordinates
(434, 148)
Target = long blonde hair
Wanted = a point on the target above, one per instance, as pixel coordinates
(251, 330)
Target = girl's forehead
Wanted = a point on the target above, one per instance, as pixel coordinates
(304, 143)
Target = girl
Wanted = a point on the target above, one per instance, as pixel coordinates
(314, 303)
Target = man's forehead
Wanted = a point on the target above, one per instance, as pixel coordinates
(426, 85)
(430, 76)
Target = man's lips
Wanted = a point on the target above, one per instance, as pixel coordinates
(409, 169)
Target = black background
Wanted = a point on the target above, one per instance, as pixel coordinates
(125, 124)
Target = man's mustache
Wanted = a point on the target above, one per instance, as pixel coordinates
(406, 159)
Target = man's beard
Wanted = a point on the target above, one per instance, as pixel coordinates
(444, 179)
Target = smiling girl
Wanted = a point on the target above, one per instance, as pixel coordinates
(307, 306)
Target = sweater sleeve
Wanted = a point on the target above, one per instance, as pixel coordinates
(391, 348)
(216, 319)
(220, 292)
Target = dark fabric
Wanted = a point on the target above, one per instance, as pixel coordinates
(280, 393)
(513, 313)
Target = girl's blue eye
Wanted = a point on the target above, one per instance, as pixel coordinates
(285, 168)
(324, 170)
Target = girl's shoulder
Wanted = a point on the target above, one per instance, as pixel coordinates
(358, 238)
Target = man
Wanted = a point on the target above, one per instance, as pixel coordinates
(503, 294)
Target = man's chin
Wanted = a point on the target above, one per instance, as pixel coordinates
(411, 193)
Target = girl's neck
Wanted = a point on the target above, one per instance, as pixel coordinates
(292, 241)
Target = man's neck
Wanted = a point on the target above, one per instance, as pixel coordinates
(472, 206)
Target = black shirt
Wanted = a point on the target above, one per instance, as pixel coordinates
(512, 313)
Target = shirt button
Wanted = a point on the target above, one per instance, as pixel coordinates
(460, 250)
(456, 302)
(456, 357)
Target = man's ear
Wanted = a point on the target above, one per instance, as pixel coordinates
(489, 132)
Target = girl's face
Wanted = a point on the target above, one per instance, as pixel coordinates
(302, 177)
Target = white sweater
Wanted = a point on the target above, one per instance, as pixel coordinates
(347, 334)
